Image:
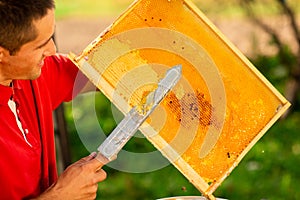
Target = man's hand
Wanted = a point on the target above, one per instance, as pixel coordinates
(79, 181)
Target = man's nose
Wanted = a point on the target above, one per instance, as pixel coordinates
(50, 48)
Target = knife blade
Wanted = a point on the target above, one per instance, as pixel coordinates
(117, 139)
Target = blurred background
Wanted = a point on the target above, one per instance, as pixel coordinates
(267, 32)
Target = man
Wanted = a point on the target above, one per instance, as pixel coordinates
(33, 82)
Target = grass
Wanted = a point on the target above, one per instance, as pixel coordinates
(89, 8)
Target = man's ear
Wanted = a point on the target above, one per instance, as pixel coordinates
(3, 53)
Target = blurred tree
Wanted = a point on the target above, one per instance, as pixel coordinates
(290, 60)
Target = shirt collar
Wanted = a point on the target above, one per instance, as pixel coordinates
(7, 91)
(16, 84)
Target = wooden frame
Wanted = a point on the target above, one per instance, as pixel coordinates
(220, 109)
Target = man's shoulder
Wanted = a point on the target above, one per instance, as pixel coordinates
(57, 59)
(58, 65)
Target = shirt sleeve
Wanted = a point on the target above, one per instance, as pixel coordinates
(63, 78)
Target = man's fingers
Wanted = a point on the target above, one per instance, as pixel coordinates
(97, 162)
(101, 175)
(93, 155)
(87, 158)
(94, 161)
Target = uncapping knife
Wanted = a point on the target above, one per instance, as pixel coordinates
(111, 146)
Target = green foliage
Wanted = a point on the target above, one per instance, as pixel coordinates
(276, 68)
(147, 186)
(81, 109)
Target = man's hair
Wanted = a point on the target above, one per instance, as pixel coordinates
(16, 21)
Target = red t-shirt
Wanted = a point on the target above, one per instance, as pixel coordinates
(27, 150)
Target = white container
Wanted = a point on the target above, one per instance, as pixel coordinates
(187, 198)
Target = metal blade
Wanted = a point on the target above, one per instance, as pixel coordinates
(137, 115)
